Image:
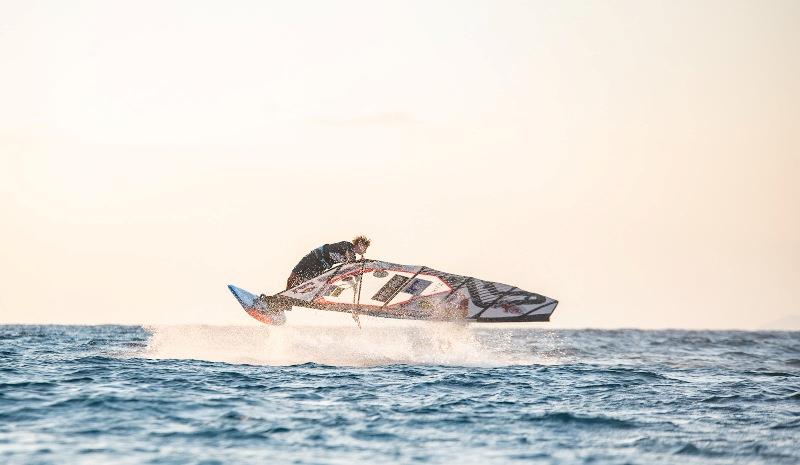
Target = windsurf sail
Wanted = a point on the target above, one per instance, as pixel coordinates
(390, 290)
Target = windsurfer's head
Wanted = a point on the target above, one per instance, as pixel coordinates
(360, 244)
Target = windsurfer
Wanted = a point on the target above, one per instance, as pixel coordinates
(315, 263)
(324, 257)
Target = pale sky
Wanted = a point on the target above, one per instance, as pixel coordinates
(636, 160)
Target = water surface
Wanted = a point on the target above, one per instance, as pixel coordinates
(432, 395)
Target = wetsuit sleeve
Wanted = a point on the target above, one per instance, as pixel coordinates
(341, 252)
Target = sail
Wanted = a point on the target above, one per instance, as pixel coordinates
(378, 288)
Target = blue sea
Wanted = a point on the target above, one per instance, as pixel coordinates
(428, 394)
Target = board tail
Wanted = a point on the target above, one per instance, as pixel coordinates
(257, 308)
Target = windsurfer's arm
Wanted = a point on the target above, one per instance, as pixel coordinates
(342, 252)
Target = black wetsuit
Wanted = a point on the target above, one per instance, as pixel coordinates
(319, 260)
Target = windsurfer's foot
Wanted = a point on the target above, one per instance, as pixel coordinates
(274, 302)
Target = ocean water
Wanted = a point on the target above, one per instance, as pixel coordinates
(436, 394)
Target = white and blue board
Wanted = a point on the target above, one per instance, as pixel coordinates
(257, 308)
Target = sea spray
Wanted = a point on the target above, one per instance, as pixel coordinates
(429, 344)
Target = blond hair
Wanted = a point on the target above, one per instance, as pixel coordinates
(361, 239)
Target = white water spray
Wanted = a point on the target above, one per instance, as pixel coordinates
(432, 343)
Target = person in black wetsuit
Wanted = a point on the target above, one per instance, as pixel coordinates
(314, 264)
(324, 257)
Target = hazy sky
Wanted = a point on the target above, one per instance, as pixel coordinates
(636, 160)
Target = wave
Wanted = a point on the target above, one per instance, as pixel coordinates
(579, 420)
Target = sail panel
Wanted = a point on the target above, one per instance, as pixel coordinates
(385, 289)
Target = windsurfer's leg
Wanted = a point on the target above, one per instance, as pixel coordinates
(308, 268)
(303, 271)
(294, 280)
